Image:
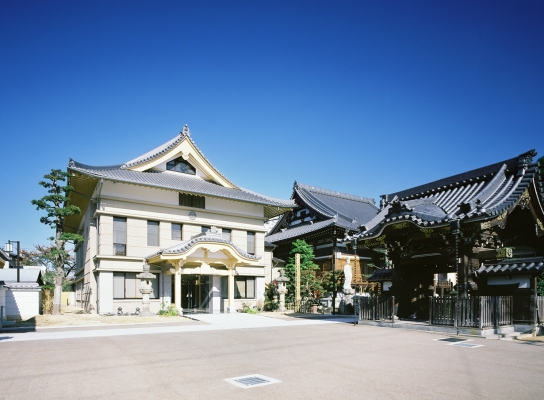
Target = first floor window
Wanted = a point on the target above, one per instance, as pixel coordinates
(244, 287)
(127, 286)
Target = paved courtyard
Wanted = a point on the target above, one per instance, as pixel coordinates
(312, 359)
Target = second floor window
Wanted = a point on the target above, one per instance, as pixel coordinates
(119, 236)
(225, 233)
(152, 233)
(251, 242)
(176, 232)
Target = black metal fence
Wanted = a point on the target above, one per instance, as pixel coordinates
(476, 311)
(377, 308)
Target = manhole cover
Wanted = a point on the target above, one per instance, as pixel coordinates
(250, 381)
(452, 340)
(469, 345)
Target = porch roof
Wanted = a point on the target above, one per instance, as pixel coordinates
(518, 266)
(212, 238)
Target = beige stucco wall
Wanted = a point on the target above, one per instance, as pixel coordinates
(140, 204)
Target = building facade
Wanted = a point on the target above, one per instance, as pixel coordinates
(322, 218)
(480, 232)
(202, 235)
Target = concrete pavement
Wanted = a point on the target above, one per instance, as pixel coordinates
(312, 359)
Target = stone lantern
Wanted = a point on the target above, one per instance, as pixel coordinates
(146, 289)
(282, 289)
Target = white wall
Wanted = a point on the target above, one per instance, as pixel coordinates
(106, 292)
(21, 304)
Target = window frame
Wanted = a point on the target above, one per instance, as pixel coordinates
(251, 245)
(245, 279)
(153, 235)
(119, 236)
(191, 200)
(133, 276)
(180, 231)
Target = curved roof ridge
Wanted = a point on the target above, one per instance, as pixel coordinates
(307, 196)
(203, 238)
(478, 173)
(263, 195)
(159, 150)
(165, 147)
(334, 193)
(74, 164)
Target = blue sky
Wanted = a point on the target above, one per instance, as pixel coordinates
(364, 97)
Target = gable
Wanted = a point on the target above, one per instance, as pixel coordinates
(182, 147)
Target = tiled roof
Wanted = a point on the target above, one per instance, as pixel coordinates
(25, 275)
(332, 208)
(351, 211)
(179, 182)
(381, 275)
(299, 230)
(478, 194)
(22, 285)
(520, 266)
(207, 237)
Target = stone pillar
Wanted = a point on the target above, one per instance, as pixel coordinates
(231, 290)
(177, 287)
(215, 294)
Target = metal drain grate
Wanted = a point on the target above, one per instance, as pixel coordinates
(468, 345)
(453, 340)
(251, 381)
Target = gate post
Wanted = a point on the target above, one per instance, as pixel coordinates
(392, 309)
(430, 310)
(481, 312)
(495, 312)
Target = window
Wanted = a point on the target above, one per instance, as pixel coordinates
(204, 229)
(180, 165)
(176, 231)
(119, 236)
(251, 242)
(225, 233)
(189, 200)
(152, 233)
(127, 286)
(244, 287)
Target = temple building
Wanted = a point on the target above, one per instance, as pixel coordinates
(480, 232)
(323, 218)
(170, 208)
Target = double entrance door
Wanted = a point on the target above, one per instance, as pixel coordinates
(195, 293)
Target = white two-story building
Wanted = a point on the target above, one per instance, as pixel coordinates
(202, 235)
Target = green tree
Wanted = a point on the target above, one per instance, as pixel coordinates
(41, 255)
(57, 207)
(310, 286)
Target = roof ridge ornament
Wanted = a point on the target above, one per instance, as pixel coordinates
(185, 131)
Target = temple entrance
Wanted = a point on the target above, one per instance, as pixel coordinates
(195, 293)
